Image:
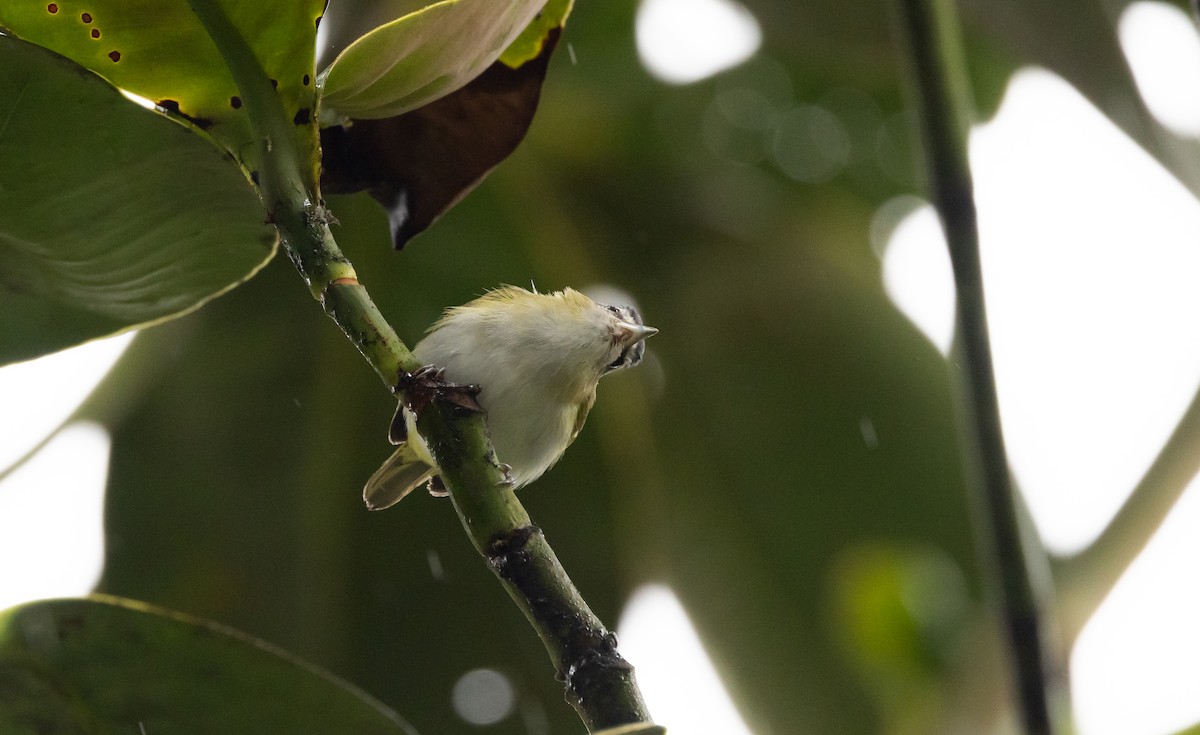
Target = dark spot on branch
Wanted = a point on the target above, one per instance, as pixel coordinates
(305, 80)
(52, 8)
(115, 56)
(509, 549)
(274, 84)
(303, 116)
(588, 662)
(95, 33)
(254, 177)
(86, 17)
(235, 102)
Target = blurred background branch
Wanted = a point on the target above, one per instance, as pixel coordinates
(1084, 580)
(929, 29)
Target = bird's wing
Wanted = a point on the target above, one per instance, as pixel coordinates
(581, 414)
(398, 430)
(399, 475)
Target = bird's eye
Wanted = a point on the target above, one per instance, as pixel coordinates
(613, 309)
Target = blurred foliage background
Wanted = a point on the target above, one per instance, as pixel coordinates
(785, 459)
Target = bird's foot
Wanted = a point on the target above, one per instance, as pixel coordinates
(508, 480)
(428, 384)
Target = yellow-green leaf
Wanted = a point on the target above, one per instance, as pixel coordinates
(421, 56)
(111, 216)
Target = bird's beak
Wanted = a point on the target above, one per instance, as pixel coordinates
(631, 333)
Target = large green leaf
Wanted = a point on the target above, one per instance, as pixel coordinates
(419, 164)
(111, 216)
(158, 49)
(106, 665)
(421, 56)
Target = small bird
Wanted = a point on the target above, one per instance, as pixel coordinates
(537, 358)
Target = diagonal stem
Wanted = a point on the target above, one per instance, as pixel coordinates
(1085, 579)
(1010, 552)
(599, 683)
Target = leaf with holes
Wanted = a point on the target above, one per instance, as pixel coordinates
(111, 665)
(161, 51)
(111, 216)
(421, 163)
(420, 57)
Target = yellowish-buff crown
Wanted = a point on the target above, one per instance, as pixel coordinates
(517, 297)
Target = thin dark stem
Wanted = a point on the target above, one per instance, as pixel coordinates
(935, 58)
(599, 683)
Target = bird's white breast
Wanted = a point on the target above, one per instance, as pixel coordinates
(530, 423)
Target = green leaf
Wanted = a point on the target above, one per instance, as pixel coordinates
(160, 51)
(637, 728)
(106, 664)
(110, 216)
(528, 46)
(419, 164)
(420, 57)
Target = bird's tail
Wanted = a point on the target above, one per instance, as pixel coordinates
(399, 475)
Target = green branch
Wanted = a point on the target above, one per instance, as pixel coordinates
(930, 34)
(599, 683)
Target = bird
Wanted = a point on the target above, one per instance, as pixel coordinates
(536, 358)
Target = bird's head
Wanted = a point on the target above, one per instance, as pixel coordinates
(567, 333)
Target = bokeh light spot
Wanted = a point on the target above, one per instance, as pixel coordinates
(675, 674)
(1133, 668)
(38, 395)
(916, 268)
(684, 41)
(483, 697)
(52, 518)
(1160, 41)
(1090, 268)
(810, 144)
